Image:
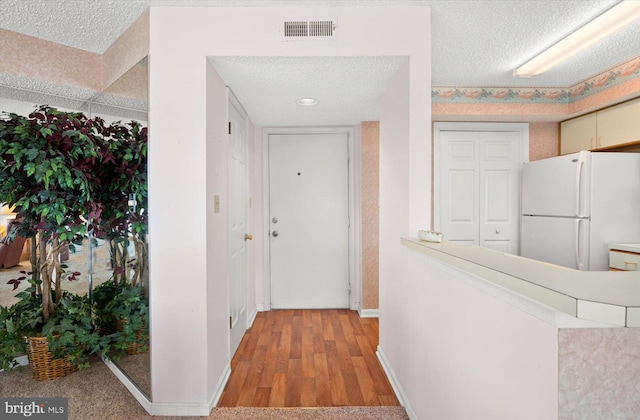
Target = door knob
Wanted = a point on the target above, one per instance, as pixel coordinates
(275, 233)
(248, 237)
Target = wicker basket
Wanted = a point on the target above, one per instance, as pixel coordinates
(135, 347)
(42, 365)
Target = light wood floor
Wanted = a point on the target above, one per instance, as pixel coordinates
(308, 358)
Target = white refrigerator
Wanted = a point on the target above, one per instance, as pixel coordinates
(574, 205)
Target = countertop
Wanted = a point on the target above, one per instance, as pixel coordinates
(601, 296)
(626, 247)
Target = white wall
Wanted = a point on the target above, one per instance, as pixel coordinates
(217, 333)
(178, 222)
(467, 354)
(394, 219)
(19, 107)
(187, 239)
(107, 113)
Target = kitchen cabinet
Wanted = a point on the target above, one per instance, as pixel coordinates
(602, 130)
(624, 257)
(619, 124)
(578, 134)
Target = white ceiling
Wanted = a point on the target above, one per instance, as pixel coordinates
(474, 43)
(347, 88)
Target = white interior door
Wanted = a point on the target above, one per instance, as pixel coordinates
(500, 191)
(460, 185)
(309, 220)
(478, 199)
(237, 218)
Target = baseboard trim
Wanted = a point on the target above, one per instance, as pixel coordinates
(369, 313)
(179, 409)
(252, 316)
(193, 409)
(397, 388)
(222, 382)
(171, 409)
(131, 387)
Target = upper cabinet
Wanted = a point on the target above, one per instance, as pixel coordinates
(601, 130)
(619, 124)
(578, 134)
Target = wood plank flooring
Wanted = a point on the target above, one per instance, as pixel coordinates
(308, 358)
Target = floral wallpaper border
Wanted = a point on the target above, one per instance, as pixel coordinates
(602, 81)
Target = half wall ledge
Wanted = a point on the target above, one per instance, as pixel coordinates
(602, 297)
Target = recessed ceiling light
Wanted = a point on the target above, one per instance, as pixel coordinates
(307, 101)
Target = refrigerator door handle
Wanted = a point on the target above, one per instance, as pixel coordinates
(579, 261)
(578, 184)
(581, 160)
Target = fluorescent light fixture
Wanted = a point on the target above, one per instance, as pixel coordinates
(307, 101)
(611, 21)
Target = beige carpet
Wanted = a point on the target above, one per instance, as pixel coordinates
(95, 393)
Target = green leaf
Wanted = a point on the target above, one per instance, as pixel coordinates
(30, 168)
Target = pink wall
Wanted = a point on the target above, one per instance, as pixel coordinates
(35, 58)
(370, 139)
(611, 86)
(538, 105)
(133, 84)
(504, 112)
(543, 140)
(131, 47)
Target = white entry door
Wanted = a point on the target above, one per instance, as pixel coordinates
(309, 220)
(237, 219)
(479, 187)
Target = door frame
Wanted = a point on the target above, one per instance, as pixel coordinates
(438, 127)
(355, 206)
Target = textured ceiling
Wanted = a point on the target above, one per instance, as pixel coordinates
(347, 88)
(474, 42)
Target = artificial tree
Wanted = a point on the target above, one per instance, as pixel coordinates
(47, 171)
(47, 163)
(123, 198)
(67, 175)
(121, 303)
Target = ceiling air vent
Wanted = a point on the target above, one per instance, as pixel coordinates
(306, 29)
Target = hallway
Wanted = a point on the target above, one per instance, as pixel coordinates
(308, 358)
